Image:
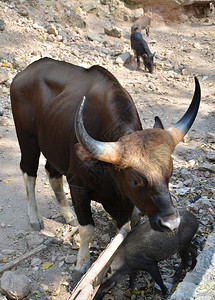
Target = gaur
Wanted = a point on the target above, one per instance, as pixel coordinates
(113, 161)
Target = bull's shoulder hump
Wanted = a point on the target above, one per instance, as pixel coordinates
(96, 69)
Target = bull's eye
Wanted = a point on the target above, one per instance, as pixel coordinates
(133, 182)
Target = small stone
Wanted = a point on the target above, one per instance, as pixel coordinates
(105, 238)
(36, 262)
(44, 287)
(51, 38)
(210, 137)
(61, 263)
(15, 286)
(207, 167)
(94, 37)
(19, 63)
(8, 252)
(3, 225)
(2, 25)
(138, 13)
(197, 46)
(70, 259)
(211, 156)
(53, 31)
(34, 240)
(4, 76)
(88, 6)
(23, 11)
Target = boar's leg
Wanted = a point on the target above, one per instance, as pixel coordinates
(184, 254)
(132, 278)
(138, 62)
(151, 266)
(155, 273)
(108, 283)
(193, 252)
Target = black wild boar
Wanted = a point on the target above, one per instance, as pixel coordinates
(141, 49)
(142, 23)
(143, 248)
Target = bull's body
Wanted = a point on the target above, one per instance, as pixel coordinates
(49, 117)
(45, 98)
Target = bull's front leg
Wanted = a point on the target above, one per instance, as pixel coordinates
(83, 258)
(81, 201)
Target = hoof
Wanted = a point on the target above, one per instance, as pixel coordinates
(73, 222)
(83, 268)
(37, 225)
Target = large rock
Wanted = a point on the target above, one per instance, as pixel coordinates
(123, 58)
(113, 31)
(15, 286)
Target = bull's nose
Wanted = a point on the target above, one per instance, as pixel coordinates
(170, 223)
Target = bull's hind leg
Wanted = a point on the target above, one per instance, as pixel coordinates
(29, 165)
(56, 182)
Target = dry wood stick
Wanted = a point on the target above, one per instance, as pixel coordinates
(89, 283)
(42, 247)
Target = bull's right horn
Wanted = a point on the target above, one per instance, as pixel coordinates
(104, 151)
(179, 130)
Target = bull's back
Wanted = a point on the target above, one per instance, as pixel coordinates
(45, 97)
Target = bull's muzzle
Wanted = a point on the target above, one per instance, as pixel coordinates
(165, 223)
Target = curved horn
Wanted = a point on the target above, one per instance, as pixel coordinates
(104, 151)
(179, 130)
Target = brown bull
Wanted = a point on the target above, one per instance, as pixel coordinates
(116, 162)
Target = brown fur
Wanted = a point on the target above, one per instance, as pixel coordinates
(140, 155)
(142, 23)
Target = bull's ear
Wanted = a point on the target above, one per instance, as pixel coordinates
(158, 123)
(81, 153)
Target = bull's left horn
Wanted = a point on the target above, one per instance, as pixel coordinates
(104, 151)
(179, 130)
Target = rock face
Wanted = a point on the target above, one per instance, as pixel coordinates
(170, 3)
(174, 10)
(15, 286)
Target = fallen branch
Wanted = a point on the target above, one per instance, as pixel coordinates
(38, 249)
(90, 282)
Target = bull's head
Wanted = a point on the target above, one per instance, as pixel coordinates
(144, 163)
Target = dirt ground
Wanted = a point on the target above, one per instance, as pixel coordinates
(182, 51)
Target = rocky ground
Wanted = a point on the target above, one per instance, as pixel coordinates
(28, 32)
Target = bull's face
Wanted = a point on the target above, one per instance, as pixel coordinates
(144, 174)
(144, 163)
